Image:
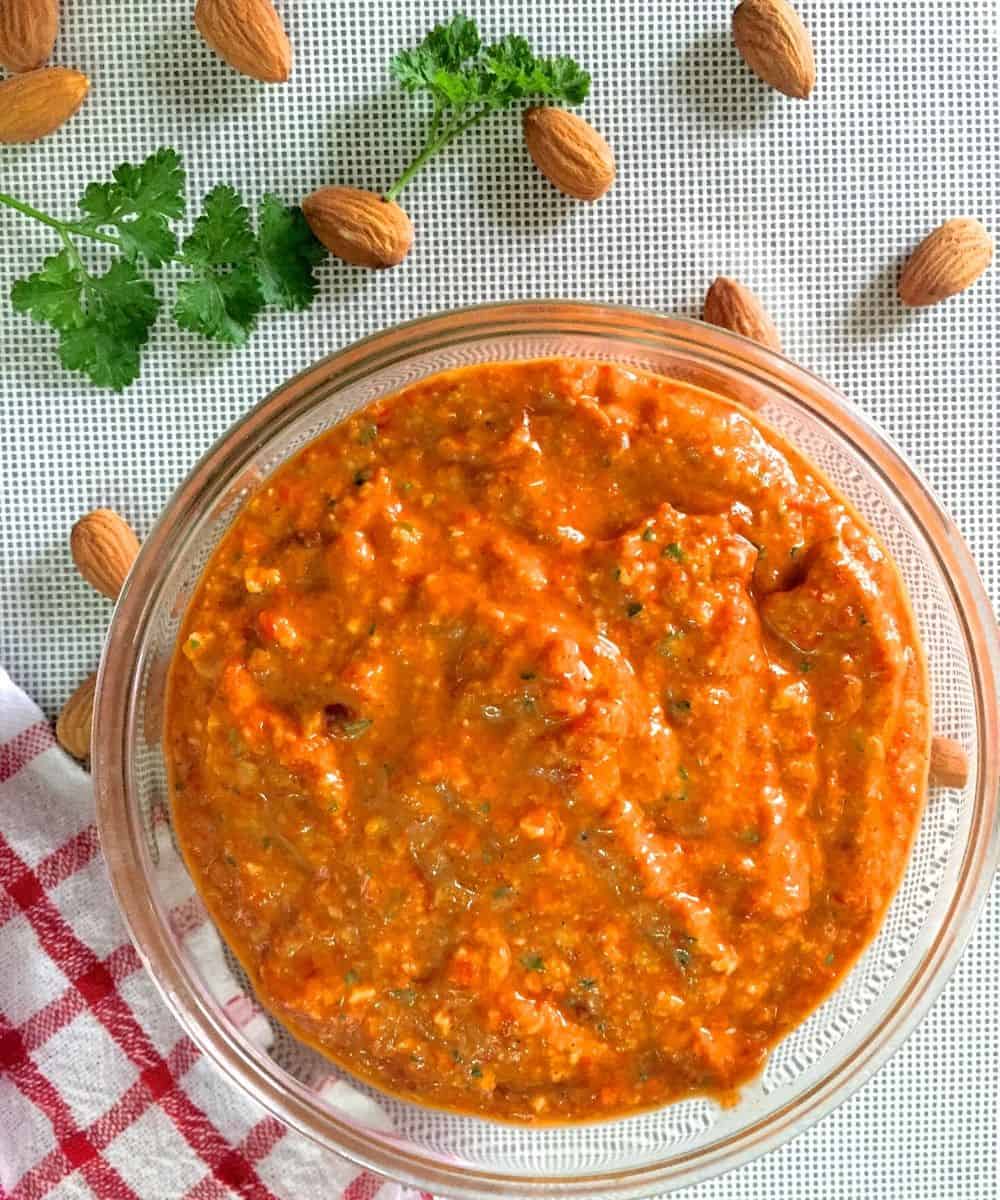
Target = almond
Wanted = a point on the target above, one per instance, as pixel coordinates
(76, 719)
(949, 763)
(358, 226)
(103, 547)
(946, 262)
(733, 306)
(571, 154)
(33, 105)
(28, 31)
(775, 45)
(247, 34)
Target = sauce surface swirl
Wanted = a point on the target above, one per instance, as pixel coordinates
(547, 740)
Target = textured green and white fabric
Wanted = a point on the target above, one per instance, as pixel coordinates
(813, 204)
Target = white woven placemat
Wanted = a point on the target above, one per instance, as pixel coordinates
(812, 204)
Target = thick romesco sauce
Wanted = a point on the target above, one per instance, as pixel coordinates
(547, 740)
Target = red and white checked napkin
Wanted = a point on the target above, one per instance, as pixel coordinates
(101, 1093)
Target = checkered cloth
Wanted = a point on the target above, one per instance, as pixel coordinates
(101, 1093)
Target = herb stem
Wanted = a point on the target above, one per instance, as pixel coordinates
(430, 149)
(437, 139)
(435, 120)
(55, 223)
(73, 253)
(28, 211)
(65, 227)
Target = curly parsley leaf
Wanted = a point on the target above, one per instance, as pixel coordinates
(514, 73)
(287, 254)
(442, 53)
(466, 81)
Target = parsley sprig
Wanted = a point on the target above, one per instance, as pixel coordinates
(466, 81)
(230, 272)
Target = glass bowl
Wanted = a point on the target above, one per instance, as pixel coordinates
(819, 1063)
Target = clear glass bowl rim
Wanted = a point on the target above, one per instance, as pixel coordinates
(117, 699)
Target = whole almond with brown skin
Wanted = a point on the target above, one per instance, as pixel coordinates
(360, 227)
(33, 105)
(104, 547)
(731, 305)
(76, 720)
(571, 154)
(946, 262)
(949, 763)
(28, 31)
(776, 46)
(247, 34)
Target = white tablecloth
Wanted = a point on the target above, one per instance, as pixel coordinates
(813, 204)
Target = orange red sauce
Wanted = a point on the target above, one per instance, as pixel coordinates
(547, 740)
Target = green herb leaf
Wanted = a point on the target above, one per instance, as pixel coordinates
(563, 79)
(221, 304)
(439, 57)
(223, 307)
(221, 235)
(513, 72)
(149, 236)
(154, 186)
(94, 350)
(116, 312)
(104, 320)
(533, 962)
(673, 551)
(466, 82)
(52, 295)
(139, 203)
(288, 252)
